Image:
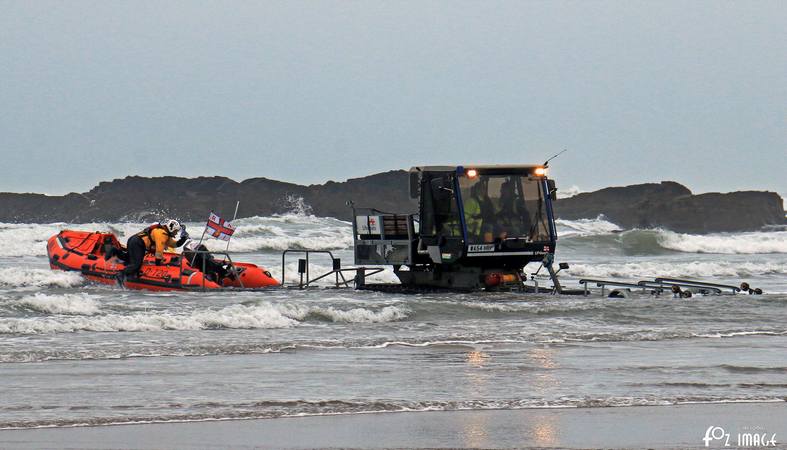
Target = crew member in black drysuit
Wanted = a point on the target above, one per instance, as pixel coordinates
(155, 239)
(213, 269)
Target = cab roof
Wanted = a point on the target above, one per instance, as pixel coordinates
(496, 167)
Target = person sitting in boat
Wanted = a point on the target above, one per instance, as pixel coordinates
(154, 239)
(201, 259)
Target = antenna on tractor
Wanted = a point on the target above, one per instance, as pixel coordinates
(546, 163)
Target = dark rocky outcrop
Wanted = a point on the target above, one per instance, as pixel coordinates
(667, 204)
(144, 199)
(672, 206)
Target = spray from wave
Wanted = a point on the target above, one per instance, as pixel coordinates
(296, 229)
(569, 192)
(259, 234)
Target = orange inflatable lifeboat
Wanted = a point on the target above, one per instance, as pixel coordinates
(83, 251)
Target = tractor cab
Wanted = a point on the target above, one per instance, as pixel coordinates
(476, 227)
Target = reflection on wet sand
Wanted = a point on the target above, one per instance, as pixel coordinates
(544, 427)
(544, 431)
(477, 378)
(543, 380)
(475, 430)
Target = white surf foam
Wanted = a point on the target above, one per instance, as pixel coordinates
(363, 315)
(32, 277)
(311, 241)
(568, 192)
(82, 304)
(390, 313)
(278, 233)
(585, 227)
(30, 239)
(237, 316)
(262, 316)
(25, 239)
(696, 269)
(741, 243)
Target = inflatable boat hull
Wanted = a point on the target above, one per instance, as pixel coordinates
(83, 251)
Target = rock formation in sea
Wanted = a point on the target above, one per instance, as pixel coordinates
(666, 205)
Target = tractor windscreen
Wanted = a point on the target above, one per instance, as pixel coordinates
(500, 207)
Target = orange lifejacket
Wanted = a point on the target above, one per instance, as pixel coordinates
(156, 242)
(145, 234)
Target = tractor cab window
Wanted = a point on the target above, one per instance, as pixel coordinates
(440, 212)
(500, 207)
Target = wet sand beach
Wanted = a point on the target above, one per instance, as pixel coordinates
(681, 426)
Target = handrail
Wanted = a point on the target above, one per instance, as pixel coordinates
(696, 283)
(604, 283)
(349, 269)
(339, 272)
(308, 279)
(661, 283)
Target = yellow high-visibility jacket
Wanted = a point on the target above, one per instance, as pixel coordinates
(157, 240)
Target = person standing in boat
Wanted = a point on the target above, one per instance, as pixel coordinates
(154, 239)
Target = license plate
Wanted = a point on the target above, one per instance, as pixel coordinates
(481, 248)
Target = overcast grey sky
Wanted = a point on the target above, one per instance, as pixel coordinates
(690, 91)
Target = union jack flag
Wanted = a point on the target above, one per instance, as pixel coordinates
(219, 228)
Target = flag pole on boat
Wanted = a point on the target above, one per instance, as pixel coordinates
(232, 266)
(204, 230)
(234, 216)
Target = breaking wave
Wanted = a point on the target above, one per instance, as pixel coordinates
(601, 234)
(741, 243)
(77, 304)
(30, 239)
(85, 317)
(279, 233)
(585, 227)
(32, 277)
(362, 315)
(25, 239)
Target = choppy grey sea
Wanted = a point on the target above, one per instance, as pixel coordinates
(74, 353)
